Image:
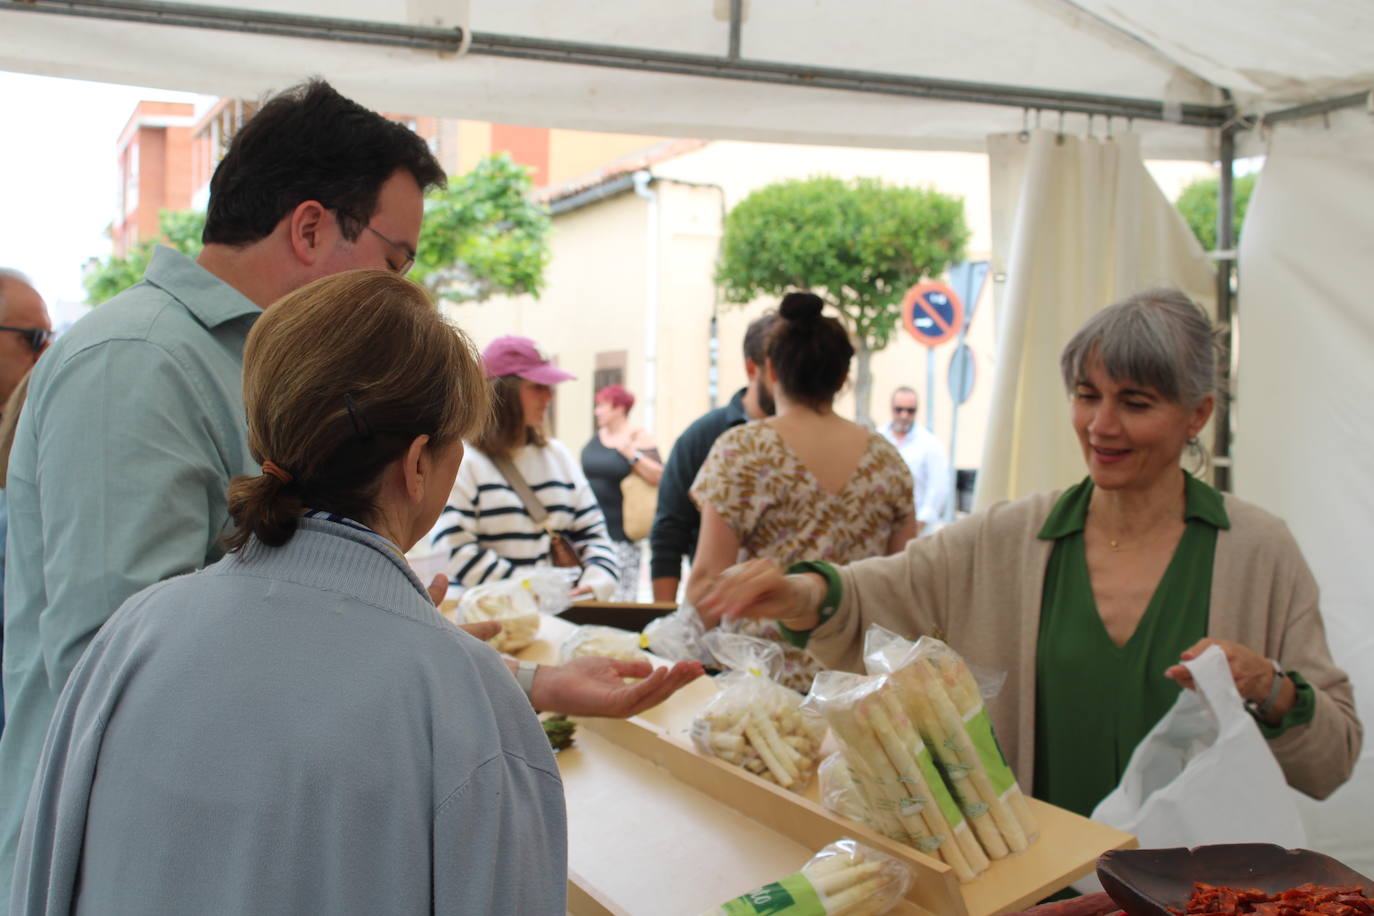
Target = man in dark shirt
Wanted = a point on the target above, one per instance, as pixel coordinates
(676, 520)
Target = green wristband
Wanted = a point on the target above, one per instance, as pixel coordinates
(830, 603)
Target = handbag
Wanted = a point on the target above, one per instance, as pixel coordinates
(1204, 774)
(638, 500)
(561, 550)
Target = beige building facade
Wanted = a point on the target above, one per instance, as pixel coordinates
(630, 297)
(630, 287)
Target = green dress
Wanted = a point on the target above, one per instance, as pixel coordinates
(1095, 700)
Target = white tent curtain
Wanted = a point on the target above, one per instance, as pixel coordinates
(1090, 226)
(1305, 383)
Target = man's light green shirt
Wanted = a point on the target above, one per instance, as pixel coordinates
(133, 427)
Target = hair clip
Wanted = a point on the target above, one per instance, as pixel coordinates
(355, 413)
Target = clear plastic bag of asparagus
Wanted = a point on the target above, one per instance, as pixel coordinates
(754, 722)
(839, 792)
(607, 642)
(678, 636)
(944, 699)
(843, 879)
(894, 770)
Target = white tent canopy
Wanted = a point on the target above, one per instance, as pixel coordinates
(909, 66)
(939, 74)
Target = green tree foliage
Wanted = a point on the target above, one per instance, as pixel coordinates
(859, 245)
(180, 229)
(483, 235)
(1198, 204)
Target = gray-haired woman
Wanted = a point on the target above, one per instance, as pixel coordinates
(1088, 597)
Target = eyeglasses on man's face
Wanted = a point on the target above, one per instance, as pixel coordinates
(37, 338)
(906, 410)
(403, 251)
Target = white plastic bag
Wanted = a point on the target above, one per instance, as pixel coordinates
(1204, 774)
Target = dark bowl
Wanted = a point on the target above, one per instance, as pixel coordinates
(1144, 882)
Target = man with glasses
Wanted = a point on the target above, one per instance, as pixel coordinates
(25, 331)
(134, 422)
(924, 455)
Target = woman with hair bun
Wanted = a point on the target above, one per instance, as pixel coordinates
(806, 483)
(295, 729)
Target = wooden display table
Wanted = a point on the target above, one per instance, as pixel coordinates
(657, 829)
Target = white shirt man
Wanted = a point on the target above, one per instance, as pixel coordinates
(925, 456)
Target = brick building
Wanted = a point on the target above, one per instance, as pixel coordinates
(154, 162)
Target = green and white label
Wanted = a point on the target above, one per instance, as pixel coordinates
(937, 788)
(989, 752)
(792, 896)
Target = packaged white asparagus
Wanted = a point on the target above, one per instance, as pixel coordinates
(516, 604)
(843, 879)
(942, 696)
(607, 642)
(839, 792)
(677, 637)
(894, 770)
(754, 722)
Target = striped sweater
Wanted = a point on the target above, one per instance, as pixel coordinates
(488, 533)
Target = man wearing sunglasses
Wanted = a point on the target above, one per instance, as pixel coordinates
(25, 330)
(924, 455)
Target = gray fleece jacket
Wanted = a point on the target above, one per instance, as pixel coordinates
(292, 730)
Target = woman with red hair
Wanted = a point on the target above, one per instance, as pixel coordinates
(617, 450)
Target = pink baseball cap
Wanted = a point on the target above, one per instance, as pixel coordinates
(512, 355)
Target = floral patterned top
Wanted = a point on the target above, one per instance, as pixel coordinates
(778, 509)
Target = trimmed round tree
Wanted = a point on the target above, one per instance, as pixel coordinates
(483, 236)
(859, 245)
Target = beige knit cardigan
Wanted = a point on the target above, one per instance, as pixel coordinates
(977, 584)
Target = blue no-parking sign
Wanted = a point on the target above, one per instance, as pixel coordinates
(932, 313)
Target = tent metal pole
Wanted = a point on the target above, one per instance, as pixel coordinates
(553, 51)
(1354, 100)
(257, 22)
(736, 20)
(1226, 243)
(161, 12)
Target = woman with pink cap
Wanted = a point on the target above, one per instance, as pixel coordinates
(519, 493)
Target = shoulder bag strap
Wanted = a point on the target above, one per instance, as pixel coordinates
(533, 506)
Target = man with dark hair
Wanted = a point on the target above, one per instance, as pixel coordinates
(134, 423)
(677, 521)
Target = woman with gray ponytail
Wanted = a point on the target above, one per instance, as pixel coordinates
(295, 729)
(1090, 596)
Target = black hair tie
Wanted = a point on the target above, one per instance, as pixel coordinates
(355, 413)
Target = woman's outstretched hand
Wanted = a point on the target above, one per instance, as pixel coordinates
(759, 588)
(594, 686)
